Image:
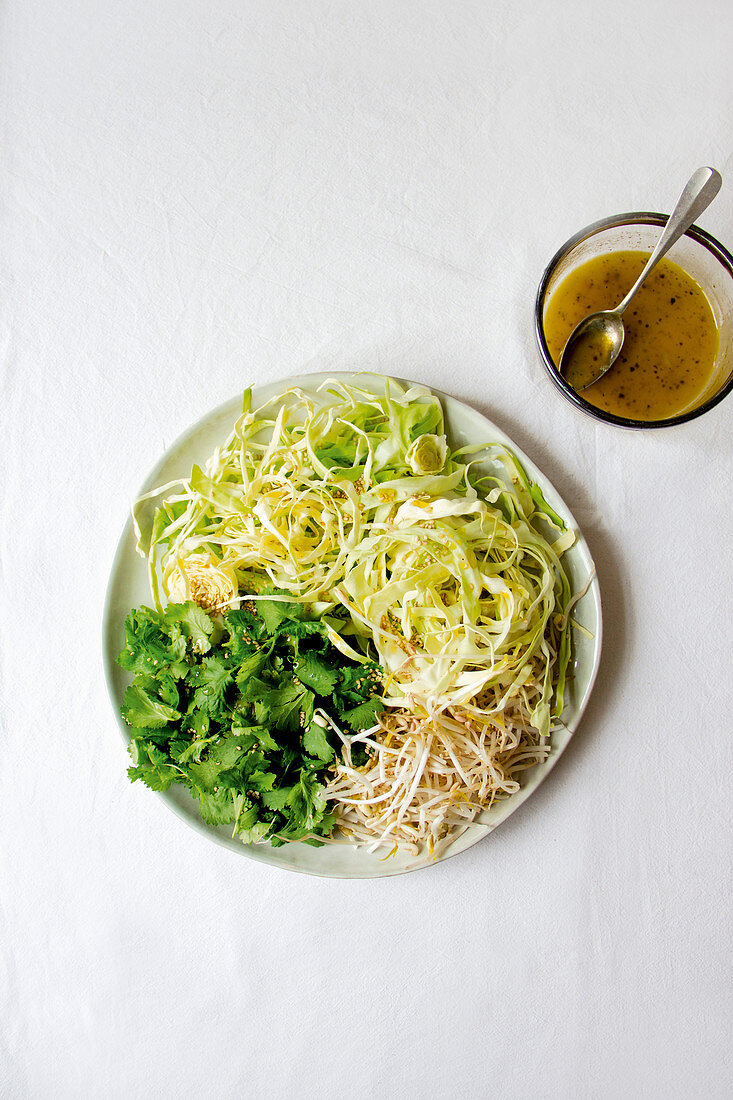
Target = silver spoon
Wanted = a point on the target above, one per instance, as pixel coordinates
(602, 334)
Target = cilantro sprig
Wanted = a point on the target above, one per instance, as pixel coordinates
(232, 709)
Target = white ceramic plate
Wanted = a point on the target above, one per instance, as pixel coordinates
(128, 588)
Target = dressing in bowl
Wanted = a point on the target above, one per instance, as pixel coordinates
(671, 342)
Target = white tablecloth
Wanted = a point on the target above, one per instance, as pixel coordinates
(198, 194)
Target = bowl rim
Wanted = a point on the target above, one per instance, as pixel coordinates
(638, 217)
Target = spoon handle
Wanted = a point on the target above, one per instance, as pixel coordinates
(700, 190)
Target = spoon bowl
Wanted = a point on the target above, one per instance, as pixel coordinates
(592, 349)
(594, 345)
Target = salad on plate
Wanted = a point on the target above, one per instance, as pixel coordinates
(359, 633)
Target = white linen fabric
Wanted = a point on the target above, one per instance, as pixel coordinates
(200, 194)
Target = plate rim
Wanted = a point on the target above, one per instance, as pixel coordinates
(474, 832)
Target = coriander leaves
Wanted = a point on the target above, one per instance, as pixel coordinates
(236, 711)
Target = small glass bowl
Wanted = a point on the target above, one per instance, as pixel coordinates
(697, 252)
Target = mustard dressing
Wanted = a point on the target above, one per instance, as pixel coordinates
(671, 341)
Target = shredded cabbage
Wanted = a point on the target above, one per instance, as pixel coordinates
(443, 565)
